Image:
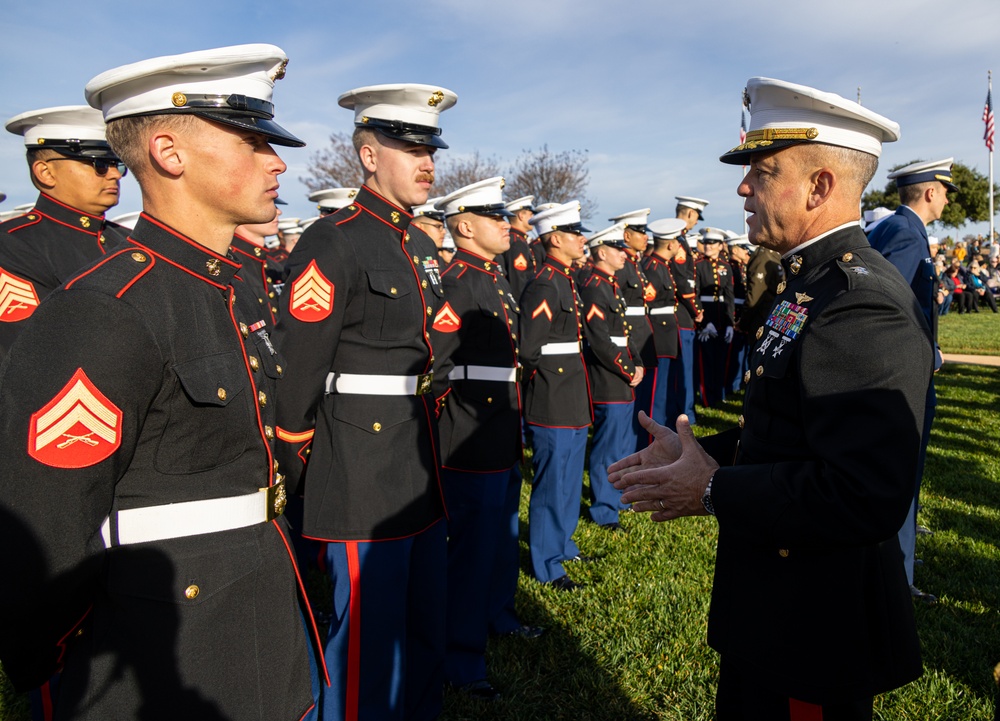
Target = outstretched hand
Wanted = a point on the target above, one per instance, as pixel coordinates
(669, 477)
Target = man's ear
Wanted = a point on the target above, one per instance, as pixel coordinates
(41, 171)
(824, 181)
(368, 154)
(165, 151)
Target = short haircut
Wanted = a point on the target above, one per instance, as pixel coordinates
(909, 194)
(364, 136)
(128, 136)
(452, 223)
(546, 239)
(33, 155)
(854, 166)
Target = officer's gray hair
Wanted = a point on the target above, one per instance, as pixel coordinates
(854, 166)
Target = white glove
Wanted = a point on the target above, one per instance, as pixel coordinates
(729, 334)
(707, 332)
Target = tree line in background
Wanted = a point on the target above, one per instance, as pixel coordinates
(550, 176)
(969, 205)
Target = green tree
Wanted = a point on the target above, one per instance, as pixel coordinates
(969, 205)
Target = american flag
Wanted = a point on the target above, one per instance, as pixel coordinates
(743, 127)
(988, 119)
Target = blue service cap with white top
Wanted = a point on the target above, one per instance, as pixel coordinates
(613, 236)
(561, 216)
(404, 111)
(925, 172)
(76, 131)
(231, 85)
(699, 204)
(523, 203)
(784, 114)
(333, 198)
(482, 198)
(428, 209)
(634, 219)
(666, 228)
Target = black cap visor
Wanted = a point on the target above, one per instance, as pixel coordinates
(265, 126)
(407, 132)
(84, 149)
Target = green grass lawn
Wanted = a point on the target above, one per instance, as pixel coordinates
(632, 644)
(970, 334)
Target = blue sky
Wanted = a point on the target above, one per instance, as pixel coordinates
(649, 88)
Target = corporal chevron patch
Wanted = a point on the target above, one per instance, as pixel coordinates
(18, 298)
(78, 428)
(594, 311)
(447, 320)
(543, 307)
(312, 295)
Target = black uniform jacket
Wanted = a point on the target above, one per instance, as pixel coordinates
(764, 273)
(258, 272)
(147, 380)
(475, 330)
(738, 271)
(518, 262)
(361, 291)
(663, 297)
(610, 351)
(714, 286)
(40, 250)
(817, 482)
(637, 292)
(688, 306)
(556, 392)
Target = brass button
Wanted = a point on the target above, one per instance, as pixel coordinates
(191, 592)
(256, 251)
(262, 398)
(781, 287)
(423, 284)
(746, 377)
(392, 290)
(406, 238)
(279, 369)
(244, 330)
(495, 314)
(741, 420)
(848, 257)
(139, 257)
(416, 259)
(254, 363)
(429, 310)
(500, 291)
(783, 552)
(376, 426)
(102, 240)
(489, 400)
(560, 370)
(222, 394)
(760, 371)
(760, 332)
(273, 309)
(32, 217)
(271, 295)
(269, 433)
(275, 466)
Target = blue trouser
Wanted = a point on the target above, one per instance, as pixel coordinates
(502, 615)
(736, 362)
(385, 649)
(555, 498)
(613, 440)
(908, 532)
(652, 397)
(681, 397)
(475, 523)
(711, 360)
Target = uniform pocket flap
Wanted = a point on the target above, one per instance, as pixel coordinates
(212, 380)
(388, 283)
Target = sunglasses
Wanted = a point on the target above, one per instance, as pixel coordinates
(101, 165)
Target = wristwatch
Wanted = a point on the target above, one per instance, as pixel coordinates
(706, 500)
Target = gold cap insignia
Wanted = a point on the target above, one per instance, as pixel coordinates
(179, 100)
(279, 72)
(436, 99)
(40, 141)
(352, 194)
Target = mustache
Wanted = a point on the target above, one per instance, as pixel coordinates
(426, 177)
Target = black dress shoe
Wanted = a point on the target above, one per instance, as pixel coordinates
(524, 631)
(616, 527)
(580, 558)
(482, 690)
(918, 562)
(922, 596)
(564, 583)
(924, 531)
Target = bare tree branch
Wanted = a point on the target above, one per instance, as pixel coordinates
(335, 166)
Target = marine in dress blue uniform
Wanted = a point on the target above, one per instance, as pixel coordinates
(714, 286)
(902, 239)
(356, 419)
(736, 357)
(614, 368)
(518, 261)
(476, 382)
(66, 228)
(557, 400)
(138, 413)
(663, 312)
(810, 490)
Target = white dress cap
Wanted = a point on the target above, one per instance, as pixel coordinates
(874, 217)
(304, 224)
(127, 219)
(613, 236)
(286, 225)
(428, 209)
(737, 239)
(564, 216)
(405, 111)
(231, 85)
(666, 228)
(693, 239)
(448, 243)
(333, 198)
(783, 114)
(925, 172)
(525, 203)
(713, 235)
(73, 130)
(484, 197)
(686, 201)
(634, 219)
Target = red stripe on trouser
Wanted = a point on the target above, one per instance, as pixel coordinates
(45, 692)
(802, 711)
(354, 634)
